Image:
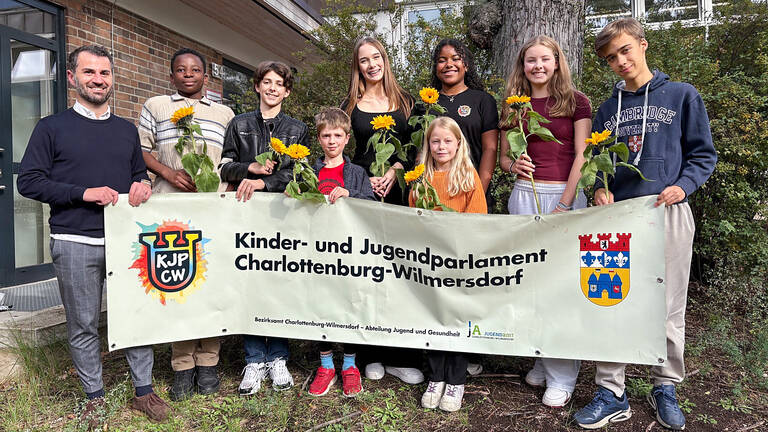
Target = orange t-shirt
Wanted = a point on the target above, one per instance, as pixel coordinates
(463, 202)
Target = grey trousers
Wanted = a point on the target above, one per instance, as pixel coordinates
(80, 269)
(678, 245)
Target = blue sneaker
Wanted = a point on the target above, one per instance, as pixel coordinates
(664, 402)
(605, 408)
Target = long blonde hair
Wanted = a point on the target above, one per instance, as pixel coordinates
(398, 98)
(460, 176)
(560, 87)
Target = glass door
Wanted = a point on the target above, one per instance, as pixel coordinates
(32, 87)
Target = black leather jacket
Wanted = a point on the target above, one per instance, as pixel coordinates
(248, 136)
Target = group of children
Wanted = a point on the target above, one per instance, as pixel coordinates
(459, 151)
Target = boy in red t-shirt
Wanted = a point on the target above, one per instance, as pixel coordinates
(338, 178)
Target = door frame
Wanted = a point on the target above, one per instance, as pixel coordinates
(9, 273)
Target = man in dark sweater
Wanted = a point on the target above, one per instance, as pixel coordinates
(78, 161)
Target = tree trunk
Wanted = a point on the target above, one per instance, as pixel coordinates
(563, 20)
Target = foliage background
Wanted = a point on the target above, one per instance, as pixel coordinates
(727, 62)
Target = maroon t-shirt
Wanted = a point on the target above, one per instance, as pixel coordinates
(554, 161)
(329, 178)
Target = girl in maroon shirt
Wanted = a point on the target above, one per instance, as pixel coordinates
(541, 72)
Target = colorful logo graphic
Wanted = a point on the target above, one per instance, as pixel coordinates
(170, 260)
(475, 332)
(605, 268)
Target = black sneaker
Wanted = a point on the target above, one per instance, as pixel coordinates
(207, 380)
(183, 384)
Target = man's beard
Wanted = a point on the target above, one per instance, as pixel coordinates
(82, 91)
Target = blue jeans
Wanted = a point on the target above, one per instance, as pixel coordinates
(261, 349)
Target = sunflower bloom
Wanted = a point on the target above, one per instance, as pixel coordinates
(598, 137)
(297, 151)
(383, 122)
(516, 101)
(181, 113)
(429, 95)
(414, 174)
(278, 146)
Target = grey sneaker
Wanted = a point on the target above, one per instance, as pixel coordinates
(279, 374)
(452, 397)
(253, 374)
(406, 375)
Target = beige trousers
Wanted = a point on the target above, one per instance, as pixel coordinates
(199, 352)
(678, 244)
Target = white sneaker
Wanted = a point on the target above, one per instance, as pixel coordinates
(374, 371)
(431, 398)
(452, 397)
(555, 397)
(253, 373)
(279, 374)
(407, 375)
(536, 377)
(474, 368)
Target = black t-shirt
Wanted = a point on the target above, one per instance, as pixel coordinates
(363, 131)
(475, 112)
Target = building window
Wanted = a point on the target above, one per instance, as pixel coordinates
(236, 81)
(654, 12)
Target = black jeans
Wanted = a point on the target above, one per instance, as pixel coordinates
(450, 367)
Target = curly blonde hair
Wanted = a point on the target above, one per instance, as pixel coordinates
(460, 178)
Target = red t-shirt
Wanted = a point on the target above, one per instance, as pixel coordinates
(329, 178)
(554, 161)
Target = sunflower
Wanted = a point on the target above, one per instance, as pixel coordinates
(429, 95)
(516, 101)
(383, 122)
(297, 151)
(277, 145)
(182, 113)
(598, 137)
(414, 174)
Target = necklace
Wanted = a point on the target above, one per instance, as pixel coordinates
(453, 96)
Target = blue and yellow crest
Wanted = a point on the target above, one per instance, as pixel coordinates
(605, 268)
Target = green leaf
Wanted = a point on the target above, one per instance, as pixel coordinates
(373, 140)
(191, 163)
(292, 189)
(633, 168)
(400, 176)
(196, 128)
(589, 152)
(544, 134)
(398, 148)
(533, 115)
(416, 138)
(207, 181)
(621, 150)
(533, 124)
(414, 120)
(604, 163)
(439, 108)
(264, 157)
(517, 143)
(206, 164)
(180, 145)
(383, 151)
(588, 175)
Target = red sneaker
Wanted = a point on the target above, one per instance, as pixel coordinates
(350, 381)
(324, 380)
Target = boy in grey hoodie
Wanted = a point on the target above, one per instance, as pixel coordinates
(666, 128)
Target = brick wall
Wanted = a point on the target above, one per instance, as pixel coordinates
(141, 49)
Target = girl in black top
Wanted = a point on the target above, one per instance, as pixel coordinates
(374, 91)
(463, 95)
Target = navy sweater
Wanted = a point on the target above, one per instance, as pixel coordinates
(68, 153)
(677, 149)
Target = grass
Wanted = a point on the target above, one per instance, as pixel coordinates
(716, 396)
